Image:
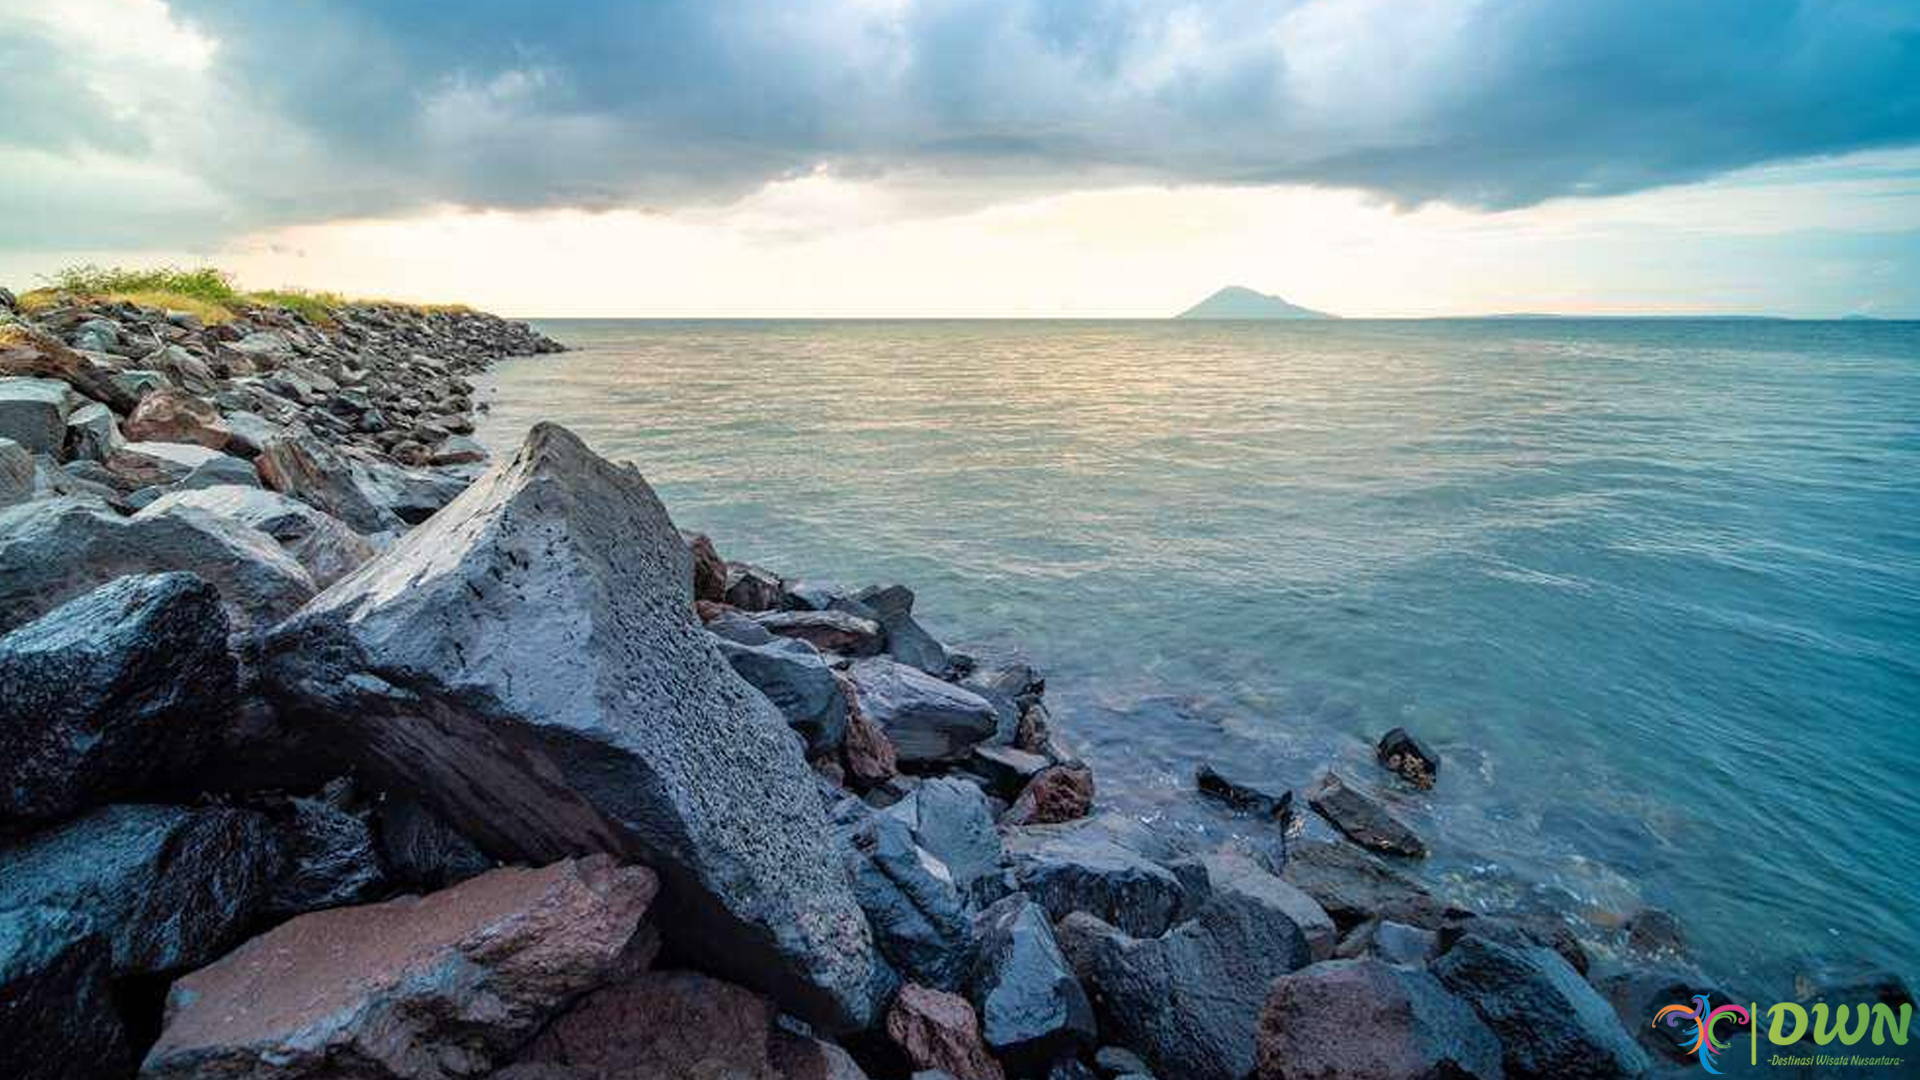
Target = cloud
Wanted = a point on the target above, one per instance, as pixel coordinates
(301, 110)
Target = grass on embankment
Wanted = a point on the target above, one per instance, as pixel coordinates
(205, 292)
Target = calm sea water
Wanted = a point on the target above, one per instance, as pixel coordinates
(1653, 588)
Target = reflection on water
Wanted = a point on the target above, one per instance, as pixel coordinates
(1652, 587)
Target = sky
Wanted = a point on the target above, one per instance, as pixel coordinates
(976, 158)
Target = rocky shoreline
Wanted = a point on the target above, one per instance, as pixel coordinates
(333, 749)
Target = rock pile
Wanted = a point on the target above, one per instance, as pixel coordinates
(332, 752)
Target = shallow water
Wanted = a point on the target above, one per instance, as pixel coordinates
(1653, 588)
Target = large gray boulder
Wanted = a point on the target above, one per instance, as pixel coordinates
(101, 695)
(1372, 1019)
(55, 549)
(1032, 1008)
(800, 684)
(929, 721)
(92, 433)
(1080, 869)
(1552, 1024)
(528, 662)
(324, 545)
(33, 413)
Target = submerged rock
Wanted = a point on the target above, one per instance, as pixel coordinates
(1408, 758)
(929, 721)
(427, 987)
(1362, 820)
(102, 695)
(1364, 1018)
(1552, 1024)
(1244, 797)
(529, 663)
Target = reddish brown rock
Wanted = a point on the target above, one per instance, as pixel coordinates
(429, 987)
(1059, 793)
(708, 610)
(867, 753)
(306, 469)
(175, 416)
(709, 570)
(939, 1030)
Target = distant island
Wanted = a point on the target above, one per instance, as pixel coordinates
(1237, 302)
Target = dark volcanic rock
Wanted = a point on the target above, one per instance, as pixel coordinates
(939, 1031)
(1637, 995)
(57, 1016)
(1518, 930)
(421, 852)
(1058, 793)
(929, 721)
(1031, 1007)
(1353, 887)
(1244, 797)
(1552, 1024)
(907, 641)
(1080, 870)
(1408, 758)
(166, 888)
(1364, 1018)
(332, 860)
(528, 663)
(709, 570)
(33, 413)
(921, 920)
(750, 588)
(103, 694)
(1006, 771)
(424, 987)
(950, 818)
(798, 681)
(1656, 932)
(1362, 820)
(829, 631)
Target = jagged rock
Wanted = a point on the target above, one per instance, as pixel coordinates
(568, 702)
(1058, 793)
(136, 383)
(1031, 1007)
(33, 413)
(412, 495)
(421, 852)
(55, 549)
(938, 1030)
(92, 433)
(1008, 684)
(1242, 796)
(422, 987)
(1396, 943)
(1079, 870)
(1119, 1061)
(1518, 930)
(750, 588)
(921, 921)
(332, 860)
(166, 888)
(1005, 770)
(250, 432)
(17, 474)
(709, 570)
(829, 631)
(800, 684)
(1353, 886)
(322, 544)
(1362, 820)
(868, 754)
(1364, 1018)
(102, 694)
(58, 1020)
(25, 353)
(173, 416)
(1248, 878)
(928, 721)
(1552, 1024)
(1408, 758)
(907, 641)
(149, 464)
(306, 469)
(950, 818)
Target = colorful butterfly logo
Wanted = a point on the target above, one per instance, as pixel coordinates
(1701, 1041)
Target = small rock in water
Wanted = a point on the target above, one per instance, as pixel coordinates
(1245, 797)
(1362, 820)
(1408, 758)
(1655, 932)
(1057, 793)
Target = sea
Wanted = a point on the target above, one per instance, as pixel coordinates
(1650, 587)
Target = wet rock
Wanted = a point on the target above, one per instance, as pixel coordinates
(92, 433)
(1058, 793)
(828, 631)
(322, 544)
(33, 413)
(1119, 1061)
(907, 641)
(1031, 1006)
(792, 674)
(1244, 797)
(921, 922)
(427, 987)
(568, 702)
(1408, 758)
(1398, 943)
(751, 588)
(1009, 685)
(1248, 879)
(939, 1031)
(709, 570)
(55, 549)
(1517, 930)
(332, 860)
(101, 695)
(1551, 1023)
(304, 468)
(17, 472)
(1354, 887)
(1655, 932)
(950, 818)
(1365, 1018)
(166, 888)
(174, 416)
(1638, 994)
(929, 721)
(421, 852)
(58, 1020)
(1080, 870)
(1362, 820)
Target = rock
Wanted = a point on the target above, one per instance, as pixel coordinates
(92, 433)
(33, 413)
(750, 588)
(305, 469)
(421, 852)
(1244, 797)
(709, 570)
(1006, 771)
(568, 702)
(17, 474)
(1059, 793)
(332, 860)
(1031, 1007)
(1408, 758)
(1354, 887)
(797, 680)
(907, 642)
(1398, 943)
(166, 888)
(921, 922)
(938, 1030)
(97, 335)
(1243, 876)
(55, 549)
(950, 818)
(670, 1025)
(134, 384)
(1009, 685)
(1365, 1018)
(829, 631)
(1362, 820)
(1519, 931)
(322, 544)
(1551, 1023)
(148, 464)
(457, 450)
(1078, 870)
(174, 416)
(1655, 932)
(868, 754)
(101, 695)
(1638, 994)
(25, 353)
(928, 721)
(412, 495)
(1119, 1061)
(424, 987)
(249, 433)
(58, 1020)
